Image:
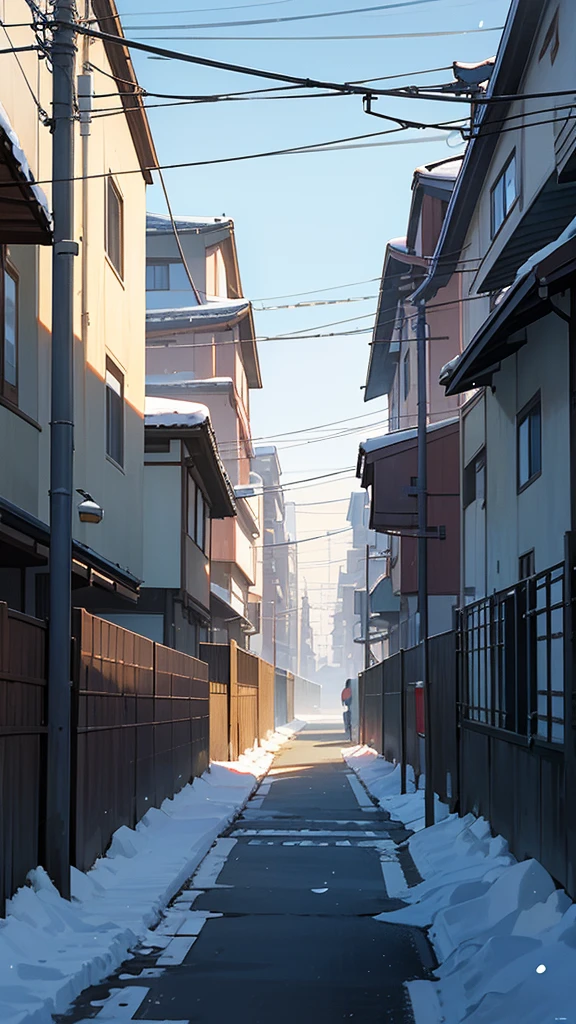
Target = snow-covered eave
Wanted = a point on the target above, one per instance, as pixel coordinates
(373, 444)
(198, 318)
(532, 273)
(14, 160)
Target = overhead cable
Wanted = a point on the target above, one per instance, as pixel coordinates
(306, 17)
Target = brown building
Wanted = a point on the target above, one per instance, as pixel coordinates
(388, 464)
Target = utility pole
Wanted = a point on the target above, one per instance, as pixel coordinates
(274, 633)
(61, 450)
(423, 550)
(367, 612)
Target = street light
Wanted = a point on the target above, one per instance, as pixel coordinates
(89, 510)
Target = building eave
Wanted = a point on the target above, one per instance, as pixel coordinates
(126, 83)
(513, 53)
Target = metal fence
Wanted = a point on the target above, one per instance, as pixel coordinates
(497, 717)
(283, 697)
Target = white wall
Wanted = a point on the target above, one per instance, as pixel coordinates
(162, 526)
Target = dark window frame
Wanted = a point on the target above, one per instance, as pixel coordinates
(155, 265)
(8, 389)
(117, 264)
(526, 413)
(114, 401)
(526, 565)
(500, 179)
(197, 510)
(406, 381)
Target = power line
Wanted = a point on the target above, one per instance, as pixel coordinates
(316, 291)
(302, 17)
(317, 39)
(312, 148)
(309, 305)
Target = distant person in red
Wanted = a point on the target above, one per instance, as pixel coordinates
(346, 698)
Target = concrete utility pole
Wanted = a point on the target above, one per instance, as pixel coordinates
(367, 612)
(61, 449)
(423, 549)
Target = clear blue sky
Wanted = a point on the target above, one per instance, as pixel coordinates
(305, 222)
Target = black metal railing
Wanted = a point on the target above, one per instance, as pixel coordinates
(512, 658)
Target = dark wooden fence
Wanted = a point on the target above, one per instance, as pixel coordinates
(283, 697)
(241, 699)
(497, 717)
(139, 734)
(141, 713)
(22, 746)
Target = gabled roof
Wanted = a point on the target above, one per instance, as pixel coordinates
(400, 273)
(437, 180)
(513, 53)
(126, 83)
(190, 422)
(208, 317)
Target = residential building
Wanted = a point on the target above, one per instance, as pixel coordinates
(186, 489)
(114, 156)
(205, 352)
(509, 237)
(280, 613)
(388, 464)
(349, 613)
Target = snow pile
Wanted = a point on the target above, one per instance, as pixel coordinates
(504, 935)
(51, 949)
(382, 779)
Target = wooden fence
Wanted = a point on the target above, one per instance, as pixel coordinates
(22, 746)
(139, 734)
(283, 697)
(241, 699)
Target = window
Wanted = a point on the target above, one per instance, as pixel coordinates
(115, 226)
(157, 277)
(406, 374)
(526, 565)
(196, 515)
(529, 442)
(114, 412)
(9, 352)
(503, 195)
(474, 482)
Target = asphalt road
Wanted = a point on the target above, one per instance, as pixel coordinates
(295, 884)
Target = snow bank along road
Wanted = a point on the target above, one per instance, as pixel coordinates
(503, 933)
(277, 924)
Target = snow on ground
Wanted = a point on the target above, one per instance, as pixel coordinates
(51, 949)
(503, 933)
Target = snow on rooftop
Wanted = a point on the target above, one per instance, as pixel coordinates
(173, 412)
(221, 309)
(185, 379)
(372, 444)
(399, 244)
(447, 169)
(161, 223)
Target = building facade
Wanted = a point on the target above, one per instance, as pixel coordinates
(388, 464)
(280, 614)
(109, 324)
(200, 347)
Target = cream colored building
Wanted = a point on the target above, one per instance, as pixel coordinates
(112, 165)
(201, 347)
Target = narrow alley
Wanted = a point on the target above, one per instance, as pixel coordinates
(277, 922)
